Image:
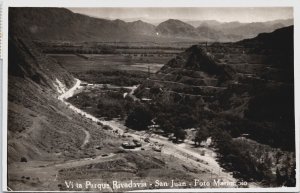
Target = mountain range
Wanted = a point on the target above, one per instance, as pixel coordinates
(42, 23)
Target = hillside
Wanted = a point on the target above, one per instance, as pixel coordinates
(50, 141)
(192, 75)
(240, 94)
(274, 40)
(42, 130)
(243, 83)
(27, 61)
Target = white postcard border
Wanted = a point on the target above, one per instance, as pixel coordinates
(155, 3)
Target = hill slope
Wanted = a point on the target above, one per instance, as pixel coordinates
(40, 127)
(246, 81)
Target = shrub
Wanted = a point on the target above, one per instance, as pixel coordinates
(201, 135)
(139, 118)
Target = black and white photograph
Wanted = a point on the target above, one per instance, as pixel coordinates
(114, 99)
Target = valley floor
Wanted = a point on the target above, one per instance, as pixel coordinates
(185, 151)
(53, 175)
(184, 157)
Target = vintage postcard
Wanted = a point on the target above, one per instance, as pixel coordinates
(158, 96)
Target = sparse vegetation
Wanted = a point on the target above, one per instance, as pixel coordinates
(23, 159)
(114, 77)
(139, 118)
(201, 135)
(104, 103)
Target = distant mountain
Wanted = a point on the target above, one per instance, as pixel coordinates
(42, 23)
(198, 23)
(142, 27)
(251, 29)
(216, 35)
(285, 22)
(242, 30)
(180, 29)
(234, 24)
(177, 28)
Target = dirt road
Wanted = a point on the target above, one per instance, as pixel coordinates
(183, 151)
(69, 94)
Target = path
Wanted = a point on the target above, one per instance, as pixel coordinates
(184, 152)
(69, 94)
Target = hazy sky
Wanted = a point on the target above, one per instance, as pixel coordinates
(203, 13)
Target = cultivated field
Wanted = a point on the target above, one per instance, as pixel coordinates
(104, 62)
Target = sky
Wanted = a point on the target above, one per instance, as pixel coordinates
(227, 14)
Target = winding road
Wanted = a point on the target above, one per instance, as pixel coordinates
(183, 151)
(69, 94)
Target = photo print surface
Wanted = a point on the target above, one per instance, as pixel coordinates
(120, 99)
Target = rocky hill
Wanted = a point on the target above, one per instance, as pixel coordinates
(26, 61)
(192, 75)
(249, 85)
